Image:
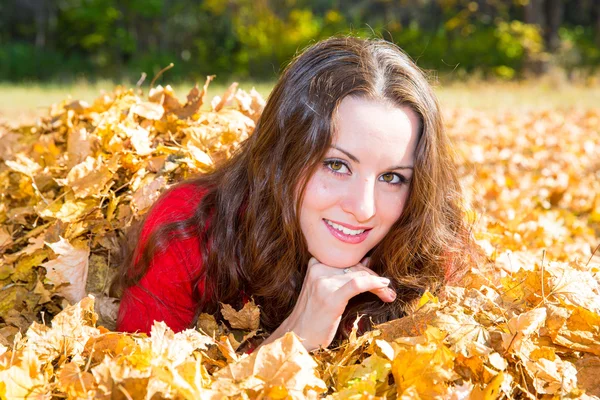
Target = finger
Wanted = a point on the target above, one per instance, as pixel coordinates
(361, 267)
(336, 281)
(367, 283)
(386, 294)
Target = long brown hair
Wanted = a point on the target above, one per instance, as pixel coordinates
(246, 222)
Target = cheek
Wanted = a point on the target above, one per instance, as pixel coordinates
(391, 205)
(321, 193)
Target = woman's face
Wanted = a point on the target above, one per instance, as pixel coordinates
(360, 189)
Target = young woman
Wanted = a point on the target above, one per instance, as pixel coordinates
(344, 201)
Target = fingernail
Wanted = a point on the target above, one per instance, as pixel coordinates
(392, 293)
(385, 281)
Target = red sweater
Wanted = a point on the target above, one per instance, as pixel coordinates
(165, 292)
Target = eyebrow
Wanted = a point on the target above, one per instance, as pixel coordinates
(353, 158)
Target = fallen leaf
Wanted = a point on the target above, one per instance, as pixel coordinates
(227, 97)
(148, 110)
(89, 177)
(588, 374)
(248, 318)
(70, 268)
(282, 363)
(74, 382)
(425, 368)
(145, 196)
(80, 145)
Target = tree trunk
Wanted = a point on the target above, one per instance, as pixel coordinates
(40, 16)
(534, 13)
(164, 27)
(597, 22)
(554, 18)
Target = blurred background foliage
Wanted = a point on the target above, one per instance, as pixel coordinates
(66, 40)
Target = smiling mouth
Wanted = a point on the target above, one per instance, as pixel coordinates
(346, 235)
(347, 231)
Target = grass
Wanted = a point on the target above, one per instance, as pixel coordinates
(23, 101)
(499, 96)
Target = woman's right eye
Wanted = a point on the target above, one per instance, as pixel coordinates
(336, 166)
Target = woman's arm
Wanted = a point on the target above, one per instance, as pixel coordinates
(323, 299)
(166, 292)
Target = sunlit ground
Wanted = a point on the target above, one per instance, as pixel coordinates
(20, 102)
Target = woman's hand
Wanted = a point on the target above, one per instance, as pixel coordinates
(325, 293)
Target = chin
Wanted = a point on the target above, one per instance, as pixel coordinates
(337, 260)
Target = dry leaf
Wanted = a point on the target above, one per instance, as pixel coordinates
(226, 99)
(285, 363)
(425, 369)
(90, 176)
(74, 382)
(145, 196)
(588, 374)
(139, 138)
(82, 171)
(248, 318)
(148, 110)
(80, 145)
(70, 268)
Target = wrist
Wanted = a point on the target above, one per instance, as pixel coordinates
(289, 326)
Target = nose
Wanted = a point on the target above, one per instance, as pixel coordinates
(360, 200)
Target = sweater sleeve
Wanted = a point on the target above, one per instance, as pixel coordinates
(166, 292)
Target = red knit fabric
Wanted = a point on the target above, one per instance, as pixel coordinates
(165, 292)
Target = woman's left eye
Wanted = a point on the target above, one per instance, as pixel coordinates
(393, 179)
(336, 166)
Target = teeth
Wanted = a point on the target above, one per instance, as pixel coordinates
(344, 229)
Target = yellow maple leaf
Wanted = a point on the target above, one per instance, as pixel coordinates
(575, 328)
(148, 110)
(282, 363)
(91, 175)
(521, 327)
(25, 377)
(365, 378)
(24, 165)
(74, 382)
(70, 268)
(174, 348)
(139, 138)
(491, 391)
(423, 365)
(251, 104)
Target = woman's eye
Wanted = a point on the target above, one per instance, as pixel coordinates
(393, 179)
(336, 166)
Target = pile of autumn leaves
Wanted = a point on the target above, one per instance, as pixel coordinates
(523, 325)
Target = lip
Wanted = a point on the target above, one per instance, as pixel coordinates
(352, 239)
(354, 228)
